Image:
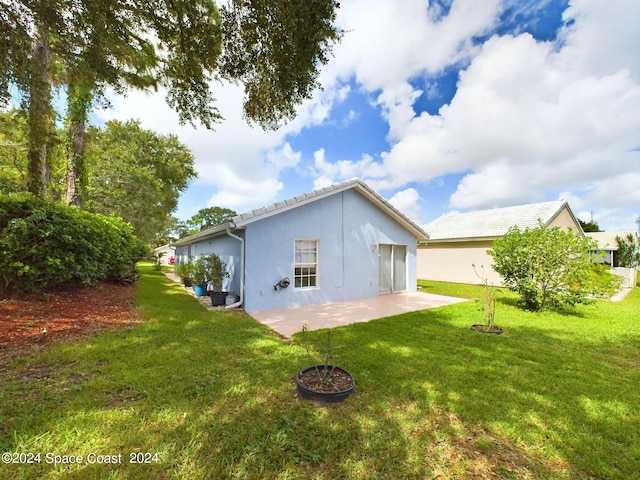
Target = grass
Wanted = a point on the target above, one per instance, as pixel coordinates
(212, 393)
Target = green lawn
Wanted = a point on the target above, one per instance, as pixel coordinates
(212, 394)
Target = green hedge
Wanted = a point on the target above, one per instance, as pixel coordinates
(43, 244)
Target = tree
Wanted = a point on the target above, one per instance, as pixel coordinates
(546, 266)
(210, 217)
(274, 48)
(628, 251)
(136, 174)
(124, 59)
(13, 152)
(589, 226)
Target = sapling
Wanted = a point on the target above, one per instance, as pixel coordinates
(490, 293)
(329, 348)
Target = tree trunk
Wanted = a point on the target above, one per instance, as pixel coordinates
(79, 103)
(39, 111)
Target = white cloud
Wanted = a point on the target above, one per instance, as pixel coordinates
(327, 173)
(387, 43)
(284, 157)
(228, 159)
(408, 202)
(528, 117)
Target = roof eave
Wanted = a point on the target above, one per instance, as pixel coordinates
(204, 234)
(460, 239)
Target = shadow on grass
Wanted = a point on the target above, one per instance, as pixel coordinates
(533, 385)
(213, 394)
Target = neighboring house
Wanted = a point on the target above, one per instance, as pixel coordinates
(457, 241)
(607, 253)
(337, 243)
(167, 251)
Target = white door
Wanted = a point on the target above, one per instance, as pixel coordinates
(392, 268)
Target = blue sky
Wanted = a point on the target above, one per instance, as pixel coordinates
(441, 106)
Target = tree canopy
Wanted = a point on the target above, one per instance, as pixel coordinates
(275, 49)
(590, 226)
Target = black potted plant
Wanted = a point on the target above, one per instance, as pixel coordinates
(183, 271)
(490, 293)
(217, 271)
(325, 383)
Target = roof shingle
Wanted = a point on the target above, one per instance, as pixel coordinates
(492, 223)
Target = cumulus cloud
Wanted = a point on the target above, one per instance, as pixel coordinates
(408, 202)
(229, 158)
(528, 118)
(327, 173)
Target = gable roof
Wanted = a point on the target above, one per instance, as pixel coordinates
(356, 184)
(607, 240)
(493, 223)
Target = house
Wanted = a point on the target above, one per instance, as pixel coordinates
(457, 241)
(607, 253)
(167, 252)
(337, 243)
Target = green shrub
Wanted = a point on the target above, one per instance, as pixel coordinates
(547, 267)
(601, 282)
(44, 244)
(208, 268)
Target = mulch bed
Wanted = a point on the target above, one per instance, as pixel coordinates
(64, 313)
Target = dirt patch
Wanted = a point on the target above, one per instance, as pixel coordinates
(65, 313)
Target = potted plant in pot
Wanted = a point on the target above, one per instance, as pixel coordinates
(489, 306)
(183, 271)
(217, 273)
(199, 276)
(325, 383)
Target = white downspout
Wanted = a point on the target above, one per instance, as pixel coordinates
(241, 240)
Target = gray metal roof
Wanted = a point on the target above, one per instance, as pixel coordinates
(365, 190)
(493, 223)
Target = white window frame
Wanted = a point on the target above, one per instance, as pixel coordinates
(305, 279)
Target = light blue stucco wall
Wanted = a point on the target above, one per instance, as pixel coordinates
(349, 229)
(227, 248)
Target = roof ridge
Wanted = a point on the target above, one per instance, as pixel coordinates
(245, 218)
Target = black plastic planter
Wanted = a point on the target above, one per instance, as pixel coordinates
(218, 298)
(324, 397)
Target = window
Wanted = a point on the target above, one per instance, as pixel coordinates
(305, 273)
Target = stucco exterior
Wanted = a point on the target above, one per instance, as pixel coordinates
(453, 262)
(348, 223)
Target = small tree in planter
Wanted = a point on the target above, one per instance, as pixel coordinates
(217, 271)
(324, 382)
(183, 270)
(200, 275)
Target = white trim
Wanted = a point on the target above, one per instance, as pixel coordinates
(316, 273)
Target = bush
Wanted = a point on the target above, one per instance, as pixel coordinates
(601, 282)
(547, 267)
(43, 244)
(208, 268)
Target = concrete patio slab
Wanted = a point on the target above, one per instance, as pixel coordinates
(287, 321)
